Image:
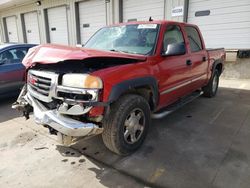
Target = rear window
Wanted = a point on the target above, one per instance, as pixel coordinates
(194, 39)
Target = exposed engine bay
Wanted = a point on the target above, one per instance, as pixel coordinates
(84, 66)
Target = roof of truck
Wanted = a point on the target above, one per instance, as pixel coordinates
(151, 22)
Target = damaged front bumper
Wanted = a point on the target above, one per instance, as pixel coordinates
(64, 126)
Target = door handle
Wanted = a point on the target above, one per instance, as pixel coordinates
(204, 59)
(189, 62)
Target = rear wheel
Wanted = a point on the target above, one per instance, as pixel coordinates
(126, 126)
(211, 88)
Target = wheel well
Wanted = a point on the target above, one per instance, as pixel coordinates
(219, 68)
(145, 92)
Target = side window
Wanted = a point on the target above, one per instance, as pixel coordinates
(14, 55)
(6, 57)
(194, 39)
(172, 35)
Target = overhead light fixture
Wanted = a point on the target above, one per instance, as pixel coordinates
(38, 3)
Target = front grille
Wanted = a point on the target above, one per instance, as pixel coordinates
(42, 84)
(39, 84)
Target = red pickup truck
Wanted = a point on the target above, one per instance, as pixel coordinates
(125, 75)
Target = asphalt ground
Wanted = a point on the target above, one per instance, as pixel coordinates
(203, 144)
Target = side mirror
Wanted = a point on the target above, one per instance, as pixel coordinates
(175, 49)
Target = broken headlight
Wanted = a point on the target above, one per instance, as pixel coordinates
(82, 81)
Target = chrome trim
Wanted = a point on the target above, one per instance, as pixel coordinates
(199, 77)
(176, 87)
(161, 115)
(52, 91)
(181, 85)
(54, 88)
(65, 89)
(38, 95)
(62, 124)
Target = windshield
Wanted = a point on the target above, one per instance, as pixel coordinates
(135, 39)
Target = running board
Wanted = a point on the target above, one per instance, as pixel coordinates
(173, 107)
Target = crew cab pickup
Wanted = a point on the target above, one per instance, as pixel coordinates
(125, 75)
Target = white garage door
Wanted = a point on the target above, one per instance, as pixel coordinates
(141, 10)
(12, 29)
(32, 28)
(92, 16)
(1, 35)
(224, 23)
(58, 25)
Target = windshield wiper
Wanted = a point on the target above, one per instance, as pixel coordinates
(122, 51)
(115, 50)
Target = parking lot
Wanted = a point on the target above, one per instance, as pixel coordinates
(204, 144)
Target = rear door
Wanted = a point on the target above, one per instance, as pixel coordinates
(174, 71)
(11, 69)
(198, 57)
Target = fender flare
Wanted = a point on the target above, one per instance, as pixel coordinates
(122, 87)
(216, 62)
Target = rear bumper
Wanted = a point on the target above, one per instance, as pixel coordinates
(61, 123)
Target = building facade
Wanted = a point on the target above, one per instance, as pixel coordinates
(224, 23)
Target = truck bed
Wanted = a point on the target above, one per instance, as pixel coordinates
(216, 53)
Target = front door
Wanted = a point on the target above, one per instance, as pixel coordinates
(11, 69)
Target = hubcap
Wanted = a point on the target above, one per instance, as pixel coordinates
(134, 126)
(215, 83)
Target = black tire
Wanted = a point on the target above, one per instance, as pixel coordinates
(116, 127)
(211, 88)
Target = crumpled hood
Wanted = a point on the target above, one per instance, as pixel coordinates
(51, 53)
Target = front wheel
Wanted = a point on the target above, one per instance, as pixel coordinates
(211, 88)
(126, 126)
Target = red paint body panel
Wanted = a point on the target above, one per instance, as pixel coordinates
(51, 53)
(169, 72)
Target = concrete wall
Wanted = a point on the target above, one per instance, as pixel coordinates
(238, 69)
